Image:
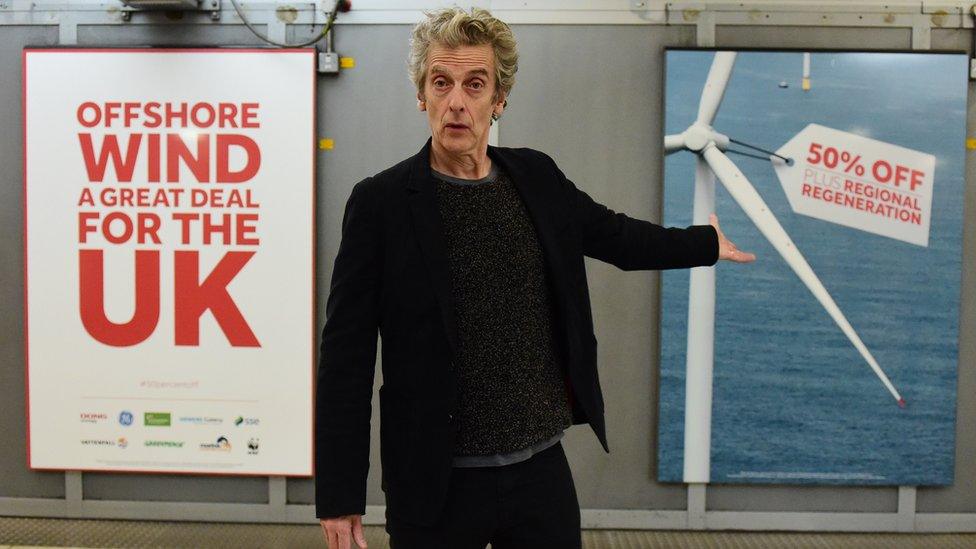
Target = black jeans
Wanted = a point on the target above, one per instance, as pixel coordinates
(527, 504)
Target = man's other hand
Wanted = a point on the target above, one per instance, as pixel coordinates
(339, 531)
(726, 249)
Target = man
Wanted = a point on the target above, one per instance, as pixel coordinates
(468, 259)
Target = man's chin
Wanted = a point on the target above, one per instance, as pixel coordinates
(455, 144)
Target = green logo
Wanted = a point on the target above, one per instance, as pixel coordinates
(164, 443)
(156, 419)
(239, 420)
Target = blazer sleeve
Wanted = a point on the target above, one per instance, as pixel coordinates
(347, 360)
(634, 244)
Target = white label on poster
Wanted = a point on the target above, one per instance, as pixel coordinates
(169, 229)
(859, 182)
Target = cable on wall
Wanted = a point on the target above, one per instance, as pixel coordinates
(340, 5)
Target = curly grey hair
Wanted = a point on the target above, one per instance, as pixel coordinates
(452, 28)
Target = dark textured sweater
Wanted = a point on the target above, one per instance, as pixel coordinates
(510, 384)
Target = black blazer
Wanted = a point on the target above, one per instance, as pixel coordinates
(391, 274)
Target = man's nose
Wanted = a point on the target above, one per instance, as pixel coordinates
(456, 100)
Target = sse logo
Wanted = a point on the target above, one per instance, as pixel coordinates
(247, 421)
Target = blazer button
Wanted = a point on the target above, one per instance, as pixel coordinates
(450, 417)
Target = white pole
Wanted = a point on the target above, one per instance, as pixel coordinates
(701, 344)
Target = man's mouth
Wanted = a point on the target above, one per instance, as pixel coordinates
(453, 126)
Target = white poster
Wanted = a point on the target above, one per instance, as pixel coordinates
(169, 233)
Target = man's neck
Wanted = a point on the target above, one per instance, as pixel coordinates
(462, 166)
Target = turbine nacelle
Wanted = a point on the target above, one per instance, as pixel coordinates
(695, 139)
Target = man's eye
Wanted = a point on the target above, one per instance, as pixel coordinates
(476, 85)
(440, 83)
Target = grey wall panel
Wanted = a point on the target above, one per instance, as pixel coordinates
(371, 113)
(16, 479)
(812, 37)
(167, 35)
(140, 487)
(590, 97)
(961, 496)
(952, 39)
(302, 491)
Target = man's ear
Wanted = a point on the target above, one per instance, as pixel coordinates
(421, 104)
(500, 103)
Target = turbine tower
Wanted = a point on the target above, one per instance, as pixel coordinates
(712, 162)
(806, 71)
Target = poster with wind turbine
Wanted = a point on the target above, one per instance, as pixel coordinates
(788, 370)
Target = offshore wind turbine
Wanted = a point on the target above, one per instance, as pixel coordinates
(712, 162)
(806, 72)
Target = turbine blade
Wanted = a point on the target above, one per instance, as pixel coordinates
(673, 143)
(757, 210)
(718, 78)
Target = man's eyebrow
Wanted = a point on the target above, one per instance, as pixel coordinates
(437, 69)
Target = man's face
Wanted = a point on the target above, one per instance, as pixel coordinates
(459, 96)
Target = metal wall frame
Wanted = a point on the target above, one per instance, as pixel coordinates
(920, 16)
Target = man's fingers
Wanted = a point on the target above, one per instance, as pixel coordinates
(327, 534)
(344, 541)
(743, 257)
(357, 531)
(726, 249)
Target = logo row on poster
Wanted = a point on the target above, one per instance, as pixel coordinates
(164, 419)
(221, 444)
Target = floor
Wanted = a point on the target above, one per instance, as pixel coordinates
(36, 532)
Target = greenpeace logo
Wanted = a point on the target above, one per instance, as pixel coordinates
(164, 443)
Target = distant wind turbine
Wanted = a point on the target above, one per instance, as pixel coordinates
(806, 71)
(709, 145)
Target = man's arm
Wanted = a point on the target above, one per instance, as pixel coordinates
(633, 244)
(347, 360)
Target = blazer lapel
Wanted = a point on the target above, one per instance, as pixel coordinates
(538, 204)
(422, 199)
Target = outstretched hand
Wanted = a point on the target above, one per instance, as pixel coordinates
(726, 249)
